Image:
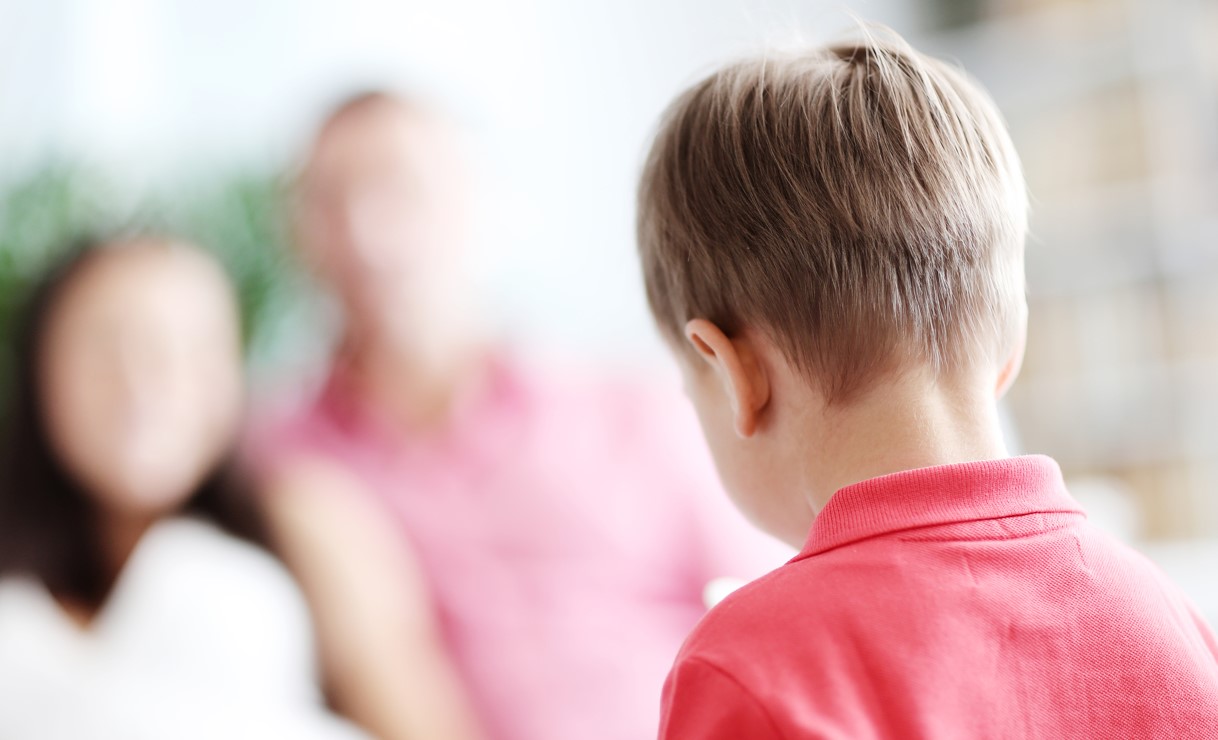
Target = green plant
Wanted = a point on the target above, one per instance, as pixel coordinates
(237, 216)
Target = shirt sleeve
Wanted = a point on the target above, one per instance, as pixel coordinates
(703, 702)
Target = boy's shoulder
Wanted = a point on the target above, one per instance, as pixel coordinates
(828, 610)
(766, 612)
(736, 669)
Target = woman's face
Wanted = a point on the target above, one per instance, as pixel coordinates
(140, 375)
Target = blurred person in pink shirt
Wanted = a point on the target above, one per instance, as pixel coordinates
(493, 546)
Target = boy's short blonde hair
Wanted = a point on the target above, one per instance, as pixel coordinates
(860, 203)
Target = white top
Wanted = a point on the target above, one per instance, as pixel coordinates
(203, 636)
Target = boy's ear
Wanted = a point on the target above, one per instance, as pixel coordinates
(737, 367)
(1010, 369)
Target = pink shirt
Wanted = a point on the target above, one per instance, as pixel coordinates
(965, 601)
(567, 527)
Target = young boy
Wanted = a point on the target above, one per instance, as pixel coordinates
(832, 242)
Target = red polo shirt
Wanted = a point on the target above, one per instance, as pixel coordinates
(963, 601)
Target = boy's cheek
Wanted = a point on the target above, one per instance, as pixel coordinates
(731, 459)
(717, 422)
(689, 373)
(714, 412)
(747, 493)
(747, 473)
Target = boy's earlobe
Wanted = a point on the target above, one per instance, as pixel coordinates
(737, 368)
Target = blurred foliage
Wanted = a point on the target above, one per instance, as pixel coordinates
(946, 14)
(238, 217)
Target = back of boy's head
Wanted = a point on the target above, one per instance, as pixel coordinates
(860, 203)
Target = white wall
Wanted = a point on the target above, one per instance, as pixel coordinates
(558, 96)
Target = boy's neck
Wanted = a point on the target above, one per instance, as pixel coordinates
(907, 424)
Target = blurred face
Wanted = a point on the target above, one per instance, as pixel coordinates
(381, 215)
(141, 375)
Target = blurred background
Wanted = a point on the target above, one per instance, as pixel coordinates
(192, 114)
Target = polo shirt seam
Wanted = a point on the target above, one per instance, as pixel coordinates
(890, 532)
(744, 690)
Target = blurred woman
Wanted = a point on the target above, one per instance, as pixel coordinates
(135, 601)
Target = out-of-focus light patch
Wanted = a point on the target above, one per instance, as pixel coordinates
(718, 589)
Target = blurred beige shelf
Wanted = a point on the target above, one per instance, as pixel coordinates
(1114, 107)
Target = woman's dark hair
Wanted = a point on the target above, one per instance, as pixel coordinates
(48, 523)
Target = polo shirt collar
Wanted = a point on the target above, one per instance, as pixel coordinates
(946, 494)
